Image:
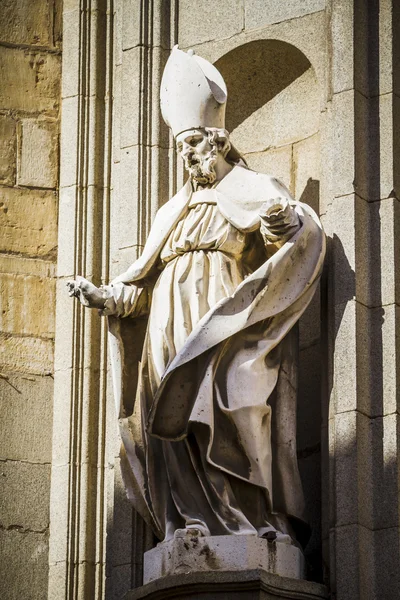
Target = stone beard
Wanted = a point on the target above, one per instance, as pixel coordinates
(200, 166)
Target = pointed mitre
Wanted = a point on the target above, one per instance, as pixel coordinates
(193, 93)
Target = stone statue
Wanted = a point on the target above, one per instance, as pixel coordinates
(199, 328)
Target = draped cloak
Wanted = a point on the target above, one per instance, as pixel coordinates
(236, 352)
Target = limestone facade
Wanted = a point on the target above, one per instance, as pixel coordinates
(30, 78)
(320, 109)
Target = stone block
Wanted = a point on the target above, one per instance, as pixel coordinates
(30, 80)
(187, 553)
(130, 94)
(20, 265)
(59, 521)
(306, 171)
(369, 124)
(346, 468)
(71, 55)
(345, 359)
(386, 552)
(309, 399)
(310, 321)
(126, 208)
(390, 356)
(116, 116)
(38, 153)
(8, 155)
(67, 233)
(389, 132)
(259, 13)
(23, 565)
(339, 154)
(119, 538)
(276, 162)
(70, 148)
(201, 22)
(118, 583)
(24, 305)
(25, 494)
(342, 28)
(270, 123)
(26, 354)
(29, 222)
(339, 224)
(310, 473)
(26, 22)
(369, 346)
(378, 446)
(354, 557)
(130, 21)
(26, 415)
(240, 585)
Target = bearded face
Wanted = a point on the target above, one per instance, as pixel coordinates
(200, 154)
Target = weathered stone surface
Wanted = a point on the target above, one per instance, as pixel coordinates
(29, 222)
(308, 399)
(129, 21)
(201, 22)
(276, 162)
(130, 96)
(25, 492)
(20, 265)
(26, 22)
(30, 80)
(26, 438)
(71, 76)
(27, 576)
(70, 149)
(306, 159)
(26, 354)
(259, 13)
(38, 153)
(239, 585)
(189, 553)
(24, 305)
(8, 155)
(310, 322)
(345, 372)
(271, 124)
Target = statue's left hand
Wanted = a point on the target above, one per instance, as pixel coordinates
(86, 292)
(279, 221)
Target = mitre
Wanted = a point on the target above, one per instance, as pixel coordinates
(193, 93)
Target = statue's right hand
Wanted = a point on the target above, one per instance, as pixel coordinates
(86, 292)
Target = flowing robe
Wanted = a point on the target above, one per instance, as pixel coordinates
(200, 445)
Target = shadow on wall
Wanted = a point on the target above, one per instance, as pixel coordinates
(257, 72)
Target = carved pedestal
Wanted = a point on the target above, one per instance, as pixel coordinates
(221, 567)
(254, 584)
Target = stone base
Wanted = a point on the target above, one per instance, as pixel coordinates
(229, 585)
(188, 553)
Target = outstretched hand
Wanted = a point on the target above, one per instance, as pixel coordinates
(87, 293)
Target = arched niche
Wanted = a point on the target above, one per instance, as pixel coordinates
(273, 115)
(273, 112)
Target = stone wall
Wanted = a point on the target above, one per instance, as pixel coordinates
(30, 74)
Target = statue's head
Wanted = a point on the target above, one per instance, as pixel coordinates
(193, 101)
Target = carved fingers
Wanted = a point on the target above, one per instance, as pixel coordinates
(86, 292)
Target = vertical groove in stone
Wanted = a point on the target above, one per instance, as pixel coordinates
(78, 495)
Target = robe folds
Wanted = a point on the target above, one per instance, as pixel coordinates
(216, 411)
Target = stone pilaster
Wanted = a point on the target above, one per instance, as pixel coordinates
(77, 508)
